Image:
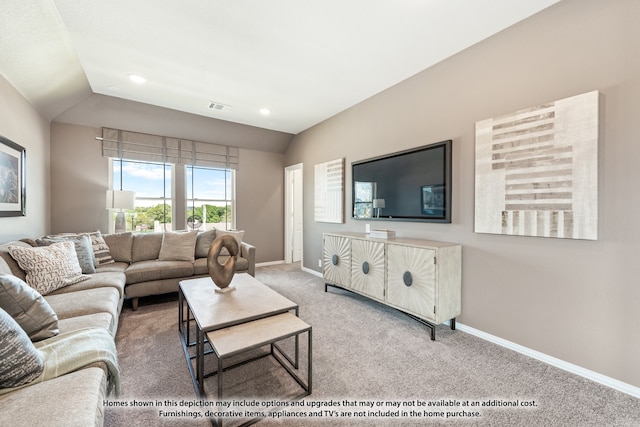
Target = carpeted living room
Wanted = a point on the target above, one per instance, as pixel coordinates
(319, 213)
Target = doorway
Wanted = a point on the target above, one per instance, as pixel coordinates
(293, 211)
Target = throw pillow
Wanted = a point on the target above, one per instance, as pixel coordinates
(203, 243)
(49, 267)
(120, 245)
(178, 246)
(21, 361)
(83, 246)
(235, 233)
(32, 312)
(101, 253)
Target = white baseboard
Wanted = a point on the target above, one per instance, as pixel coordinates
(558, 363)
(265, 264)
(310, 271)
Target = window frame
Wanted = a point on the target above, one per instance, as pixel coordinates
(178, 197)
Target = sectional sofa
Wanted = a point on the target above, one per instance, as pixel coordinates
(60, 300)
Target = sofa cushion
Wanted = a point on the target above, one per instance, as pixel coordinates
(71, 400)
(178, 246)
(120, 246)
(144, 271)
(28, 308)
(236, 234)
(83, 246)
(203, 243)
(49, 267)
(95, 320)
(88, 301)
(102, 279)
(200, 265)
(21, 361)
(14, 268)
(146, 246)
(114, 267)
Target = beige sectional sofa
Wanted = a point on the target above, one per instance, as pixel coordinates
(154, 263)
(76, 398)
(85, 314)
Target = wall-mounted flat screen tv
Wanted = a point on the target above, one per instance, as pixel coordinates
(411, 185)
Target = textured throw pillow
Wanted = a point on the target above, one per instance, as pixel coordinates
(178, 246)
(235, 233)
(27, 307)
(203, 243)
(21, 361)
(83, 246)
(49, 267)
(101, 254)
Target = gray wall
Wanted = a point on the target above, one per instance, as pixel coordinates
(80, 176)
(22, 124)
(574, 300)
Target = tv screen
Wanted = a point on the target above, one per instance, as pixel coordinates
(411, 185)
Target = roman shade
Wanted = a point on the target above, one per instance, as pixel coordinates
(121, 144)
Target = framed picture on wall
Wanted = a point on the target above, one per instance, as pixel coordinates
(12, 178)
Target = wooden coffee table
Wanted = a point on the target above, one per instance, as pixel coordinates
(210, 311)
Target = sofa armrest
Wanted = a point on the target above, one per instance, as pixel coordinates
(249, 252)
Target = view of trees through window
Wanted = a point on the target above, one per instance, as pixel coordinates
(208, 196)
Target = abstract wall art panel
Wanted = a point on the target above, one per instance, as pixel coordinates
(329, 191)
(537, 171)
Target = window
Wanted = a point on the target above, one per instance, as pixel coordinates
(153, 186)
(176, 197)
(210, 198)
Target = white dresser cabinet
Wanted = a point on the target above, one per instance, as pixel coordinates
(419, 277)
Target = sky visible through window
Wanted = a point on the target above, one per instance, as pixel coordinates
(146, 179)
(208, 184)
(153, 180)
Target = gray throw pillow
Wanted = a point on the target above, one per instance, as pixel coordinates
(32, 312)
(21, 361)
(203, 243)
(237, 234)
(83, 246)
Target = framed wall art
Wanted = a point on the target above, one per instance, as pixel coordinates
(537, 171)
(12, 178)
(329, 191)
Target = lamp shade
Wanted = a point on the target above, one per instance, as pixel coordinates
(378, 203)
(120, 199)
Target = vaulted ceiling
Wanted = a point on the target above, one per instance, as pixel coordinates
(303, 60)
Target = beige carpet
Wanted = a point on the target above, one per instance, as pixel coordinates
(366, 359)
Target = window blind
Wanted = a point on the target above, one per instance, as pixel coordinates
(121, 144)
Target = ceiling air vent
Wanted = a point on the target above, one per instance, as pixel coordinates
(216, 106)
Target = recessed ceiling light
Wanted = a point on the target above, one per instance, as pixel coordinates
(265, 111)
(137, 79)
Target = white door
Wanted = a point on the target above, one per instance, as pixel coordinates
(293, 213)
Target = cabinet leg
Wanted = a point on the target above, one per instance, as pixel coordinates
(452, 323)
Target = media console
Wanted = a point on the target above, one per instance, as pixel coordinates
(421, 278)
